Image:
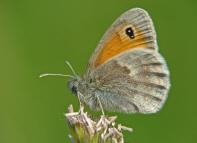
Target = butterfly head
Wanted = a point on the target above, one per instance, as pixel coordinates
(73, 85)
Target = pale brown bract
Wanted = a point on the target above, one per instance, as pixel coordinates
(126, 73)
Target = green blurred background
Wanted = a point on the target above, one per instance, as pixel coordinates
(37, 36)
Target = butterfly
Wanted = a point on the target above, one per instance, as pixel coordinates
(125, 73)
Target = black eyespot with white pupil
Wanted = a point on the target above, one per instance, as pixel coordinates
(129, 32)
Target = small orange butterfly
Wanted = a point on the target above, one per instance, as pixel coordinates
(125, 73)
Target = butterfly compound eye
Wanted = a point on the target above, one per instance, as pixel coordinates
(129, 32)
(74, 90)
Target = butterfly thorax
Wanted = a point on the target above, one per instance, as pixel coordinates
(86, 89)
(81, 85)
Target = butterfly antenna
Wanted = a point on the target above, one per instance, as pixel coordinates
(73, 71)
(51, 74)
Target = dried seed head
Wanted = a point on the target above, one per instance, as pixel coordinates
(87, 130)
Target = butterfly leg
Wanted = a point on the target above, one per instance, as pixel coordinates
(100, 105)
(80, 104)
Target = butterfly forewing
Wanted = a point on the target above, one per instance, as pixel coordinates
(119, 39)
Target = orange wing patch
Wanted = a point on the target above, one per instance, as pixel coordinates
(120, 42)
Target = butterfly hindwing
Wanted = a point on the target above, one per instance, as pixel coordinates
(135, 81)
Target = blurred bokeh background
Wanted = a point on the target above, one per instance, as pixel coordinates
(37, 36)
